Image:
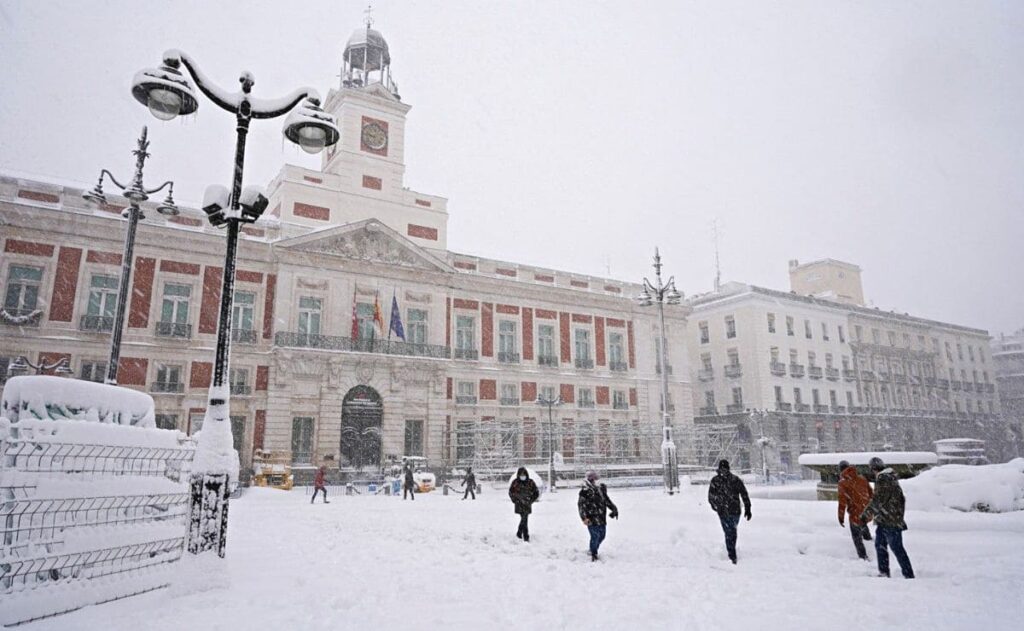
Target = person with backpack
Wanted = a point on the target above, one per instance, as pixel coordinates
(318, 484)
(469, 481)
(523, 492)
(887, 508)
(724, 495)
(854, 496)
(593, 504)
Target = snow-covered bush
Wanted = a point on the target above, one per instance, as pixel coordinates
(996, 488)
(44, 397)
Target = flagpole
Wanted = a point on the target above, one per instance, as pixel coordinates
(391, 318)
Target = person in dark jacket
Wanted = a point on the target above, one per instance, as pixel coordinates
(724, 496)
(523, 492)
(887, 508)
(469, 481)
(593, 504)
(409, 488)
(854, 496)
(318, 484)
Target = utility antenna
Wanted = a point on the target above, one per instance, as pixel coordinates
(718, 264)
(369, 16)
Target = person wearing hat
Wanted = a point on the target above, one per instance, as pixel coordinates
(593, 505)
(523, 492)
(724, 495)
(854, 496)
(887, 508)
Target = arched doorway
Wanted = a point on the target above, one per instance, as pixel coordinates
(362, 413)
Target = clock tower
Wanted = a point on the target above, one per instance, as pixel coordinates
(362, 176)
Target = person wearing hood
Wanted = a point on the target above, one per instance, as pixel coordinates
(593, 505)
(854, 496)
(409, 487)
(469, 481)
(318, 484)
(523, 492)
(887, 508)
(724, 495)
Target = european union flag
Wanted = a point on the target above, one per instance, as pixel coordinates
(396, 320)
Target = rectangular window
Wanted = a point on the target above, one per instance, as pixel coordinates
(783, 429)
(168, 378)
(167, 421)
(849, 400)
(239, 380)
(508, 341)
(771, 322)
(237, 432)
(546, 344)
(734, 356)
(709, 399)
(737, 397)
(842, 334)
(824, 331)
(416, 326)
(302, 440)
(616, 354)
(797, 398)
(581, 338)
(414, 438)
(832, 398)
(778, 394)
(876, 336)
(174, 309)
(465, 392)
(242, 310)
(828, 360)
(548, 393)
(949, 352)
(22, 294)
(102, 295)
(619, 400)
(705, 362)
(705, 335)
(509, 394)
(195, 422)
(93, 371)
(585, 397)
(807, 329)
(730, 327)
(789, 326)
(892, 338)
(465, 333)
(464, 443)
(364, 321)
(310, 310)
(959, 351)
(815, 397)
(811, 359)
(858, 332)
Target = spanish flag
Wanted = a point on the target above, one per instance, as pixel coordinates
(378, 317)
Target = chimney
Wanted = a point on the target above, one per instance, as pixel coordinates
(793, 264)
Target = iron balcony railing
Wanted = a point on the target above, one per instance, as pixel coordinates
(955, 385)
(22, 317)
(465, 399)
(796, 370)
(244, 336)
(777, 368)
(585, 403)
(618, 366)
(968, 386)
(832, 374)
(168, 386)
(241, 388)
(709, 410)
(802, 407)
(174, 329)
(782, 406)
(815, 372)
(508, 357)
(734, 408)
(509, 401)
(706, 374)
(867, 375)
(839, 409)
(547, 360)
(849, 374)
(384, 347)
(98, 323)
(466, 353)
(584, 363)
(733, 370)
(620, 405)
(820, 408)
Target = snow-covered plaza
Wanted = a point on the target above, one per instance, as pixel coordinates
(382, 563)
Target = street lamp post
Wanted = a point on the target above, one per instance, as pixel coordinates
(660, 293)
(763, 441)
(168, 93)
(22, 364)
(135, 193)
(550, 402)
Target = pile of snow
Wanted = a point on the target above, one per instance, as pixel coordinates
(215, 452)
(995, 488)
(45, 397)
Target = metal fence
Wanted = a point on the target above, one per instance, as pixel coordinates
(72, 512)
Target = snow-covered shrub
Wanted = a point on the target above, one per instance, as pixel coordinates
(996, 488)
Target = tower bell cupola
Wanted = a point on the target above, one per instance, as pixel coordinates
(366, 59)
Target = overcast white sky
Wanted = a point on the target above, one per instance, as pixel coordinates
(578, 135)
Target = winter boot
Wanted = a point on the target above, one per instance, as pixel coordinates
(593, 556)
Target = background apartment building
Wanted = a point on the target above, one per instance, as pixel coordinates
(824, 373)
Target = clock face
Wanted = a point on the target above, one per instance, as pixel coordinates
(374, 136)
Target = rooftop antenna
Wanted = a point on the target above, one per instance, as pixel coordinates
(369, 16)
(718, 265)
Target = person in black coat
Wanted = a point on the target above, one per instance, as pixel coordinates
(724, 496)
(469, 481)
(593, 504)
(409, 488)
(523, 492)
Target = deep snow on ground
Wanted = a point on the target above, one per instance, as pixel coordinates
(382, 563)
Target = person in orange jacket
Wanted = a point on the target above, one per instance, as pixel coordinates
(318, 484)
(854, 496)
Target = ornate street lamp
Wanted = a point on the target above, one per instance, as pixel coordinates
(661, 294)
(168, 93)
(550, 402)
(763, 441)
(22, 364)
(135, 193)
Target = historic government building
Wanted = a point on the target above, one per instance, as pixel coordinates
(358, 335)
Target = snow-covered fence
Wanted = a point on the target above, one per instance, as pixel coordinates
(89, 512)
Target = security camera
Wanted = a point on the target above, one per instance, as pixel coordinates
(215, 201)
(253, 203)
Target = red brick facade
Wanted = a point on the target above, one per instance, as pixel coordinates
(529, 391)
(36, 196)
(371, 182)
(201, 375)
(599, 355)
(567, 392)
(103, 258)
(268, 307)
(259, 429)
(487, 329)
(210, 306)
(631, 351)
(65, 285)
(262, 377)
(422, 232)
(177, 267)
(488, 389)
(383, 151)
(566, 342)
(131, 371)
(602, 395)
(309, 211)
(527, 334)
(15, 246)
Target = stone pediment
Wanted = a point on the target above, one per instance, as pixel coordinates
(369, 241)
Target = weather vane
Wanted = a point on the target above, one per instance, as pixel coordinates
(369, 17)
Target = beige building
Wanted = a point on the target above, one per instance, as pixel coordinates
(826, 374)
(312, 374)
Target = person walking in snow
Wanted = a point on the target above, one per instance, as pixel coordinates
(724, 496)
(593, 504)
(887, 508)
(523, 492)
(854, 496)
(469, 481)
(409, 488)
(318, 484)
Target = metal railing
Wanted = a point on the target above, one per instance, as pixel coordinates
(832, 374)
(509, 401)
(244, 336)
(849, 374)
(796, 370)
(384, 347)
(777, 368)
(98, 323)
(801, 407)
(168, 386)
(547, 360)
(241, 388)
(174, 329)
(508, 357)
(618, 366)
(465, 353)
(815, 372)
(706, 374)
(584, 363)
(734, 408)
(709, 410)
(585, 403)
(782, 406)
(465, 399)
(733, 370)
(22, 317)
(820, 408)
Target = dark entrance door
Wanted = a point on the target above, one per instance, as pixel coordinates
(362, 413)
